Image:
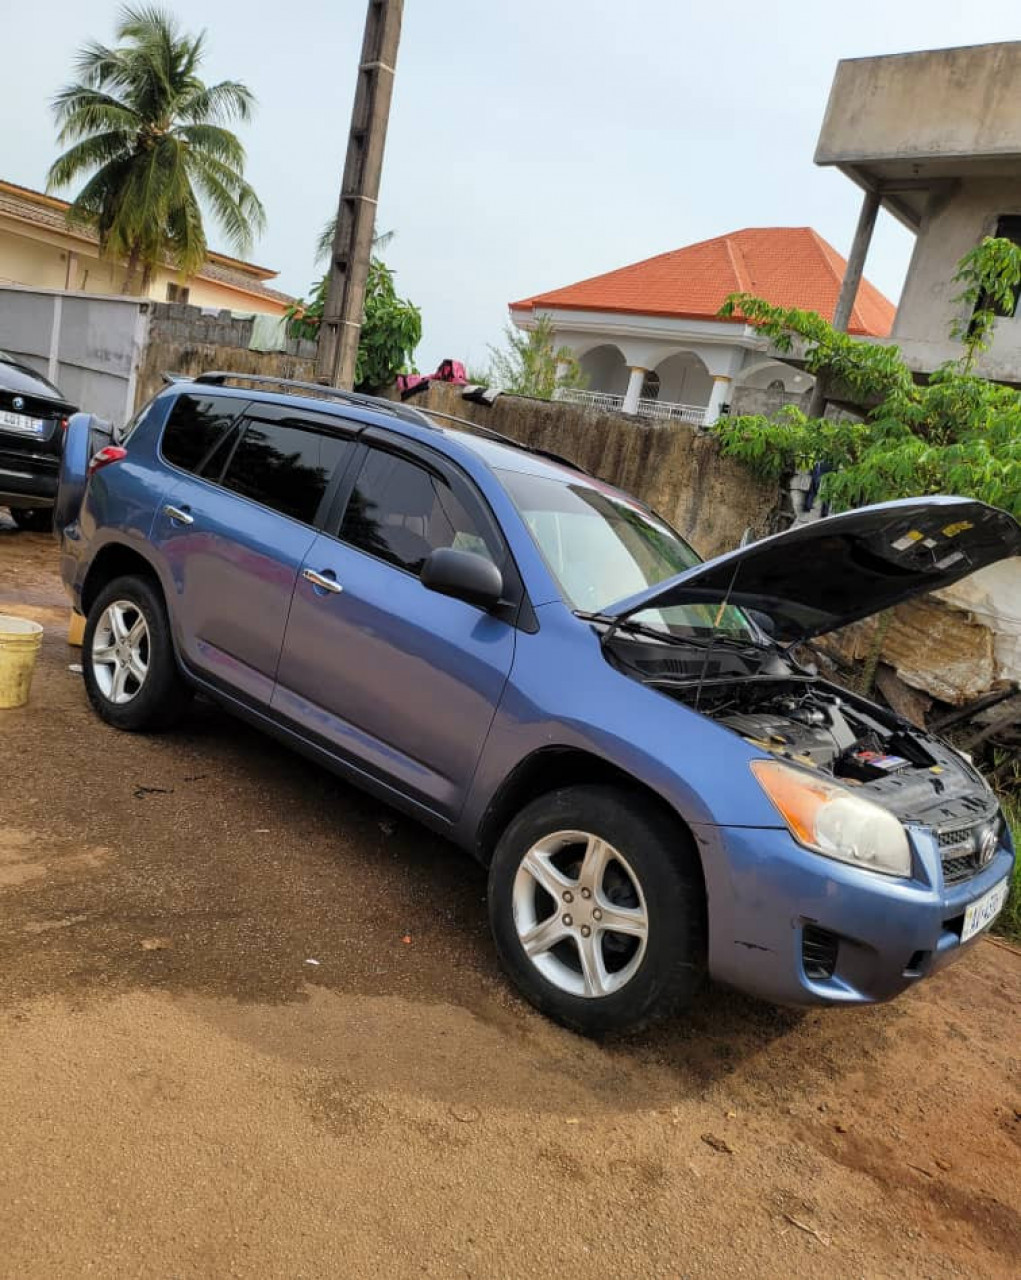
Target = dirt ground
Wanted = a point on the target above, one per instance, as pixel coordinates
(251, 1024)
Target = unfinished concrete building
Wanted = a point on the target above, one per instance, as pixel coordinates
(935, 138)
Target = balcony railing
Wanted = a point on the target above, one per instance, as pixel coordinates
(661, 410)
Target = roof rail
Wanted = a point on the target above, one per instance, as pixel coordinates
(219, 377)
(490, 433)
(407, 413)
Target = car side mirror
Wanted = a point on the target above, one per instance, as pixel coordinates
(463, 575)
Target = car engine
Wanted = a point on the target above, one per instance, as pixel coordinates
(783, 707)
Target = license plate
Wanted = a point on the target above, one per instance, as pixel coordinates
(983, 911)
(21, 423)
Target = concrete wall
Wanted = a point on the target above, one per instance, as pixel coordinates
(91, 347)
(940, 103)
(747, 400)
(183, 340)
(954, 224)
(710, 499)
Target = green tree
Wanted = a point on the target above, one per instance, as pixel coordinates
(391, 328)
(324, 241)
(149, 138)
(954, 433)
(531, 365)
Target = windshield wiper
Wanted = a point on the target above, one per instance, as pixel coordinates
(667, 637)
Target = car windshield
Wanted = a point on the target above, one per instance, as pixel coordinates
(602, 548)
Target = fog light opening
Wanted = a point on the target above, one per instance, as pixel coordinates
(917, 965)
(819, 950)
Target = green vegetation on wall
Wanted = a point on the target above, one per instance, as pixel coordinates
(531, 365)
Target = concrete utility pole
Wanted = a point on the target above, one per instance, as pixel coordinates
(356, 214)
(849, 287)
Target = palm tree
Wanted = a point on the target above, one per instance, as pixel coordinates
(324, 243)
(149, 138)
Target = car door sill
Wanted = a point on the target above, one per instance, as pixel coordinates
(322, 753)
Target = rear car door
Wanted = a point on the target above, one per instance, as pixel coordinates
(399, 680)
(234, 531)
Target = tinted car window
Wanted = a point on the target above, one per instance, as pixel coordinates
(195, 425)
(400, 512)
(285, 467)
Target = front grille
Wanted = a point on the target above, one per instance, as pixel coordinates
(955, 869)
(818, 952)
(960, 850)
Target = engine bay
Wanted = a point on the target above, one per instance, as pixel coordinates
(785, 708)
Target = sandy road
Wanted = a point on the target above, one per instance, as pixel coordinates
(183, 1094)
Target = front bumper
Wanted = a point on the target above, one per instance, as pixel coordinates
(765, 890)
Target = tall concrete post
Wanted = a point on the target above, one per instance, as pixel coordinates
(849, 287)
(356, 215)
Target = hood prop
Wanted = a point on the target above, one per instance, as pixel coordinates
(716, 630)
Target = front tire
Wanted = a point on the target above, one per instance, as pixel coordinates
(131, 673)
(597, 908)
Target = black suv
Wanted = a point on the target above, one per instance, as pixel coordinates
(33, 419)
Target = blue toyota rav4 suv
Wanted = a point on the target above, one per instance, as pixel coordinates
(534, 664)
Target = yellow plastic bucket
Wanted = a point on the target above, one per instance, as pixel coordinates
(20, 640)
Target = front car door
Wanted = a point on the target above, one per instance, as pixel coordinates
(401, 682)
(234, 531)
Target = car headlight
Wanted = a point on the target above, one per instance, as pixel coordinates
(835, 822)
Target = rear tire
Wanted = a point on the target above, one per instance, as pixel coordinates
(130, 669)
(33, 519)
(588, 858)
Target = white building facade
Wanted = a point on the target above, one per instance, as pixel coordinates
(649, 338)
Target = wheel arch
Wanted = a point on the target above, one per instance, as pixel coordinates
(551, 768)
(115, 560)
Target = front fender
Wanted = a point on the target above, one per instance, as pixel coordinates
(563, 693)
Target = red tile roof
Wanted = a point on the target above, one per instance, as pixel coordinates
(788, 266)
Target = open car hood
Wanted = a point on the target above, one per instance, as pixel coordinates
(823, 575)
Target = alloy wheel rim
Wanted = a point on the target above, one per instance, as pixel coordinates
(580, 914)
(120, 652)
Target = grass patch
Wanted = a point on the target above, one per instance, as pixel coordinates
(1009, 922)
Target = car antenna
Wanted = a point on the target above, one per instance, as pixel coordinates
(712, 639)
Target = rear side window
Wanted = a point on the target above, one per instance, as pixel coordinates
(285, 467)
(194, 427)
(401, 512)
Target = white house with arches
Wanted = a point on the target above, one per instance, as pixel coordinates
(651, 342)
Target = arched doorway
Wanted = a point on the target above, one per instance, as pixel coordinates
(684, 381)
(605, 369)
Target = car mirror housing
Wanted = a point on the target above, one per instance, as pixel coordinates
(463, 575)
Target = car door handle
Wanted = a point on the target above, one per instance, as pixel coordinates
(178, 516)
(321, 581)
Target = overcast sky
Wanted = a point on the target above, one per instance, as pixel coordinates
(532, 142)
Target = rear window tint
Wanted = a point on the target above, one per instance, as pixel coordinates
(285, 467)
(194, 428)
